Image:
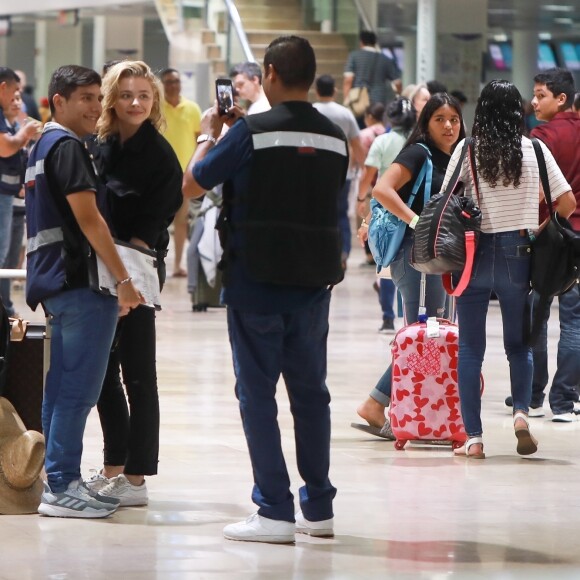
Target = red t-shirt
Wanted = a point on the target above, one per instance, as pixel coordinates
(562, 137)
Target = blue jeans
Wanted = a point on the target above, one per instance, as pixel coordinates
(83, 324)
(343, 219)
(408, 282)
(11, 261)
(5, 225)
(502, 264)
(265, 346)
(386, 297)
(564, 390)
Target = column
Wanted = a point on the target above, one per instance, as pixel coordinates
(426, 39)
(525, 60)
(410, 65)
(54, 45)
(99, 42)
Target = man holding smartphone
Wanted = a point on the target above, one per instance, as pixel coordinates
(283, 170)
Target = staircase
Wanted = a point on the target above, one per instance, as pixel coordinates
(265, 20)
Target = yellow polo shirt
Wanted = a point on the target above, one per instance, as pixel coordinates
(183, 123)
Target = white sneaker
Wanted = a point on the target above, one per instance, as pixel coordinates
(257, 528)
(96, 481)
(129, 495)
(74, 502)
(565, 418)
(577, 407)
(320, 529)
(536, 412)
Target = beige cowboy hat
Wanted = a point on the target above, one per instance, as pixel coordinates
(21, 462)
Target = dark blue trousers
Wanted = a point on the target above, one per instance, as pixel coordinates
(265, 346)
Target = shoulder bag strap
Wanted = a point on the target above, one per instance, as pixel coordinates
(425, 175)
(543, 174)
(471, 146)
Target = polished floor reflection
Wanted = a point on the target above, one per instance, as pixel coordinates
(417, 513)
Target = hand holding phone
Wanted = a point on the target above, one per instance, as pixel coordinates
(224, 95)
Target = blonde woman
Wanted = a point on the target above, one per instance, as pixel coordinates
(143, 179)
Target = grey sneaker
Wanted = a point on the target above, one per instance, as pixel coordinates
(321, 529)
(75, 502)
(121, 488)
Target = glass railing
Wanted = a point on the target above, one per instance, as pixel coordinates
(223, 18)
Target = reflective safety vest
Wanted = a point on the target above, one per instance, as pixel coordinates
(45, 271)
(11, 169)
(290, 224)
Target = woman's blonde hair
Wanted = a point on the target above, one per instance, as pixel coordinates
(108, 123)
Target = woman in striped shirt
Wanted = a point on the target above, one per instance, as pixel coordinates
(508, 193)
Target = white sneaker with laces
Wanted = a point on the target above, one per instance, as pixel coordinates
(321, 529)
(565, 418)
(257, 528)
(121, 488)
(96, 481)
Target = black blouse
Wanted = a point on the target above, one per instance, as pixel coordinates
(143, 179)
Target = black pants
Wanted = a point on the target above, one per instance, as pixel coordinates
(132, 434)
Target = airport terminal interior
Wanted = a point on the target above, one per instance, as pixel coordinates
(416, 513)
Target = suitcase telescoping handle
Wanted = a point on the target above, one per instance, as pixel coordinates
(422, 301)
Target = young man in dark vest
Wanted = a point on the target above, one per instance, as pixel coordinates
(283, 170)
(12, 141)
(62, 220)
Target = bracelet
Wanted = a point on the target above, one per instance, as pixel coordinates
(413, 222)
(125, 281)
(364, 224)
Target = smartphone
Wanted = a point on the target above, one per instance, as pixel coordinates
(224, 93)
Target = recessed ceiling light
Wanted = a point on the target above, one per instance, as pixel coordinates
(545, 36)
(500, 37)
(564, 20)
(557, 8)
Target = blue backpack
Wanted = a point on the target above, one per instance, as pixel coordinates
(386, 231)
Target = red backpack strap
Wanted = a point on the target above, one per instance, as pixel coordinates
(466, 274)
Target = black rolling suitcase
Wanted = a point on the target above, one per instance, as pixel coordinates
(24, 352)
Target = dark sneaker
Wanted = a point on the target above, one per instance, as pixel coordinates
(509, 401)
(388, 326)
(75, 502)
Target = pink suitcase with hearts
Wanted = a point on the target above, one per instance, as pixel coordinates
(424, 398)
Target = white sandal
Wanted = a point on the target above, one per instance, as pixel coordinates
(463, 451)
(527, 444)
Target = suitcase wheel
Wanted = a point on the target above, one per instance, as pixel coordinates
(400, 444)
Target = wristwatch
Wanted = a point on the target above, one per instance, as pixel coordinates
(203, 138)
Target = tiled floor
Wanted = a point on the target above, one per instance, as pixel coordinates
(417, 513)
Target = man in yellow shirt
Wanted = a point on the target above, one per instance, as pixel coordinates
(183, 119)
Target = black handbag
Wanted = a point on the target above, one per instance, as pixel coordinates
(447, 231)
(555, 257)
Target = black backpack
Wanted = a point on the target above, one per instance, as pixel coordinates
(555, 257)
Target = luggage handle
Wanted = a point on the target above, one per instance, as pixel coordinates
(466, 274)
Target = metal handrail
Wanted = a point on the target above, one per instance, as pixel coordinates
(234, 17)
(363, 15)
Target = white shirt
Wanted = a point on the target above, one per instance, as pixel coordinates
(506, 209)
(260, 106)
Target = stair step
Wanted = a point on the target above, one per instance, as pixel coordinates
(321, 52)
(315, 37)
(269, 11)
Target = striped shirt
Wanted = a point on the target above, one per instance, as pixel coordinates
(510, 208)
(372, 69)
